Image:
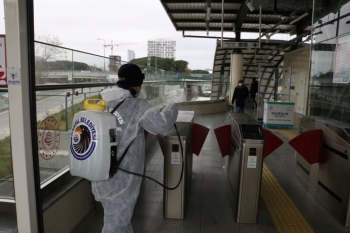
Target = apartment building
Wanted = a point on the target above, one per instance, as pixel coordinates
(164, 48)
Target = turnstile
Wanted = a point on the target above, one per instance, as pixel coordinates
(244, 167)
(329, 179)
(174, 200)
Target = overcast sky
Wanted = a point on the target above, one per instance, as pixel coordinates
(78, 24)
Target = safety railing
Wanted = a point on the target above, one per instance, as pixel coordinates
(64, 78)
(6, 177)
(56, 106)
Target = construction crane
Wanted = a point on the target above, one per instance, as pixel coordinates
(111, 45)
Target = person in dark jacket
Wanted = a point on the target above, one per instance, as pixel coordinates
(253, 90)
(240, 93)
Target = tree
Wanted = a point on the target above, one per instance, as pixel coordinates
(45, 50)
(68, 65)
(140, 61)
(200, 72)
(167, 64)
(181, 66)
(46, 46)
(161, 63)
(188, 71)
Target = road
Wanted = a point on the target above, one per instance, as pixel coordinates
(46, 107)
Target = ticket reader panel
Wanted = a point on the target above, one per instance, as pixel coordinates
(174, 200)
(249, 183)
(244, 167)
(251, 132)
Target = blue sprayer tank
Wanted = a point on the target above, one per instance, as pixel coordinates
(93, 141)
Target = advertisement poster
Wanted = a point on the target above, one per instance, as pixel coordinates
(342, 61)
(3, 75)
(278, 114)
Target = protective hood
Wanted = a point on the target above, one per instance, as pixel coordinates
(115, 94)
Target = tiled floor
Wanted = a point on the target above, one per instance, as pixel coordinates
(207, 208)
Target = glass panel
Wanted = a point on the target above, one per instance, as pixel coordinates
(6, 175)
(53, 65)
(344, 23)
(330, 101)
(284, 83)
(325, 28)
(52, 109)
(341, 64)
(56, 65)
(88, 68)
(55, 111)
(325, 19)
(56, 108)
(159, 94)
(326, 98)
(322, 62)
(4, 119)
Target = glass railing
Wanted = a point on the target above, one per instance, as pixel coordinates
(63, 81)
(160, 93)
(55, 111)
(330, 100)
(6, 175)
(58, 65)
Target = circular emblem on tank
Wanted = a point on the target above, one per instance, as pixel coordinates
(48, 138)
(83, 140)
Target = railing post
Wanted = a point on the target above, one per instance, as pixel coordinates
(66, 110)
(72, 102)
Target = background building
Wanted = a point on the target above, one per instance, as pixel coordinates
(114, 63)
(131, 55)
(164, 48)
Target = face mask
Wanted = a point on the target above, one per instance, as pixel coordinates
(138, 94)
(240, 84)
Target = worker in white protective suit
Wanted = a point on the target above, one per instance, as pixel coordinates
(119, 194)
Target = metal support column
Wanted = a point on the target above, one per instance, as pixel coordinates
(19, 25)
(236, 71)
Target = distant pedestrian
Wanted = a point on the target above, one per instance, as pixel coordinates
(240, 93)
(254, 86)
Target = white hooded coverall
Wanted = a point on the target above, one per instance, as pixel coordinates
(119, 194)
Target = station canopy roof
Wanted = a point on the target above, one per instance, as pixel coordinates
(266, 17)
